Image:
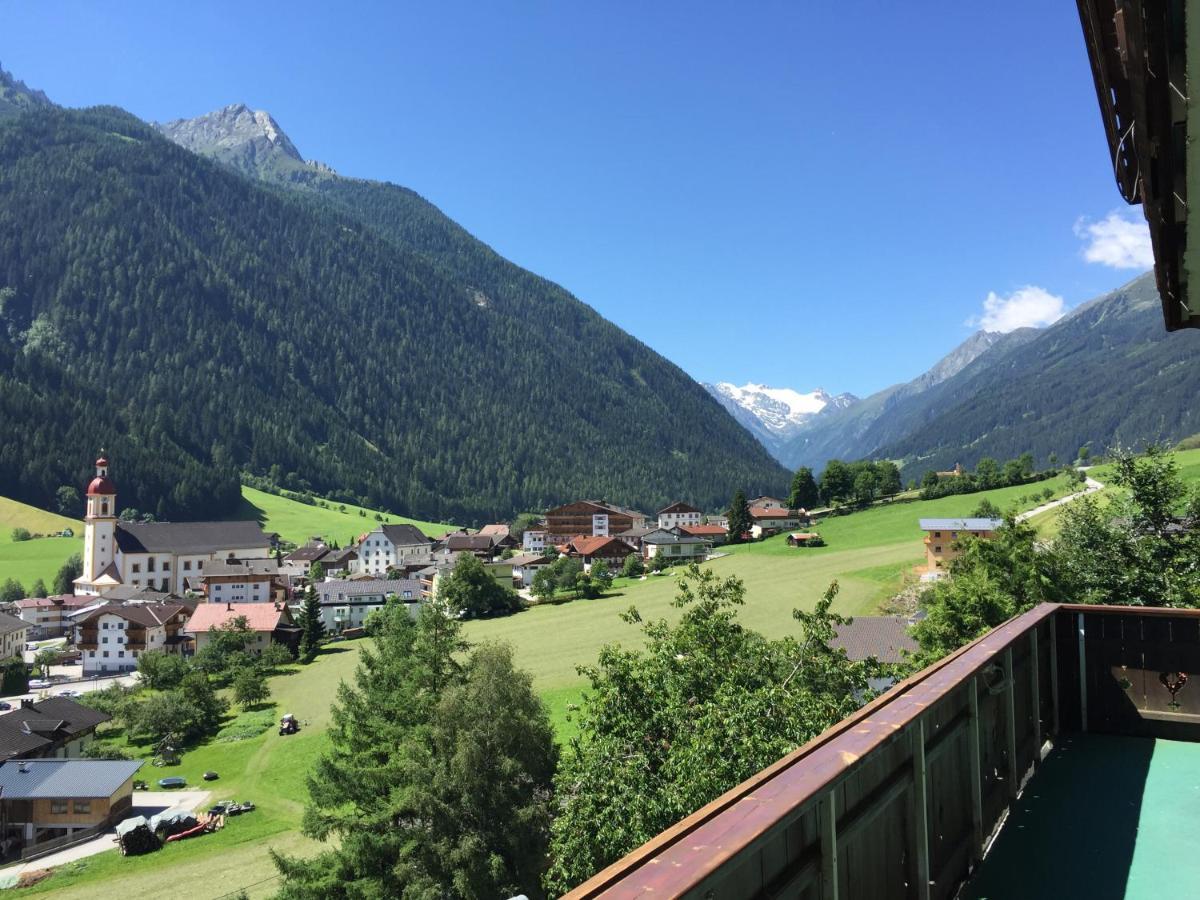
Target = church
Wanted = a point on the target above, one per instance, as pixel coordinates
(160, 556)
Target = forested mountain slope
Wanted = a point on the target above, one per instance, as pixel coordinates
(1106, 375)
(196, 324)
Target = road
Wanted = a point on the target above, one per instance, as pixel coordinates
(1091, 485)
(82, 687)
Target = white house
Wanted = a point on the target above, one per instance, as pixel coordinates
(674, 544)
(112, 636)
(241, 581)
(156, 555)
(13, 633)
(392, 546)
(771, 520)
(534, 541)
(346, 604)
(271, 623)
(677, 515)
(525, 566)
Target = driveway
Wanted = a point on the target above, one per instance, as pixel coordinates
(1091, 485)
(145, 803)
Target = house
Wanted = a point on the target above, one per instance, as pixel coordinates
(633, 536)
(714, 534)
(887, 638)
(525, 566)
(678, 514)
(342, 560)
(942, 536)
(674, 544)
(499, 529)
(43, 800)
(271, 623)
(313, 550)
(611, 550)
(956, 472)
(533, 540)
(13, 634)
(47, 616)
(484, 546)
(242, 581)
(111, 636)
(769, 503)
(590, 518)
(391, 546)
(346, 604)
(717, 519)
(56, 727)
(805, 539)
(768, 520)
(159, 555)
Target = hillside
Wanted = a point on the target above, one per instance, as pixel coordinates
(296, 521)
(16, 97)
(355, 343)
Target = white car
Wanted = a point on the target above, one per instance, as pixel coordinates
(38, 684)
(67, 694)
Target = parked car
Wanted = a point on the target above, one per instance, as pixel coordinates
(5, 706)
(68, 694)
(211, 776)
(174, 781)
(38, 684)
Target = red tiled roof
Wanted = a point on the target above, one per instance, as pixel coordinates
(259, 616)
(759, 512)
(590, 546)
(701, 530)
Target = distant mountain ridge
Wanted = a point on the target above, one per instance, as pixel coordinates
(16, 97)
(772, 414)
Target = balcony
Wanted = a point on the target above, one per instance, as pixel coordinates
(1049, 758)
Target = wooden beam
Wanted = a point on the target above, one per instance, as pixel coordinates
(975, 770)
(920, 807)
(1010, 723)
(1054, 671)
(1034, 678)
(829, 861)
(1082, 677)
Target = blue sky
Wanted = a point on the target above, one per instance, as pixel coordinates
(798, 193)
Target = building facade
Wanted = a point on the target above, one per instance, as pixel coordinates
(346, 604)
(677, 515)
(590, 518)
(392, 546)
(942, 537)
(111, 637)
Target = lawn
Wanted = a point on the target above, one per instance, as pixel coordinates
(27, 561)
(297, 522)
(268, 769)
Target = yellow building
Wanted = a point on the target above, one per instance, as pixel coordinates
(942, 537)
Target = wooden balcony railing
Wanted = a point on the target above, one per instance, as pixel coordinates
(901, 798)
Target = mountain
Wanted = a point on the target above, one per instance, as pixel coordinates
(330, 334)
(775, 414)
(16, 97)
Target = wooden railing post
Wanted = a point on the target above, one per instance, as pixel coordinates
(1082, 677)
(975, 769)
(829, 861)
(920, 808)
(1010, 722)
(1054, 670)
(1034, 677)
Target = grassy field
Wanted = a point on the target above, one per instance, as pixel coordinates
(297, 522)
(268, 769)
(27, 561)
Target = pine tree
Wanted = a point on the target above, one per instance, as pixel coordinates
(313, 629)
(739, 517)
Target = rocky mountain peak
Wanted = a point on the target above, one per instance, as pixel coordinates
(17, 97)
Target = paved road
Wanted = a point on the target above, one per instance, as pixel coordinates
(82, 687)
(145, 803)
(1091, 485)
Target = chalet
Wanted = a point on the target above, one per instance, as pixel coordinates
(805, 539)
(714, 534)
(633, 536)
(160, 555)
(769, 503)
(242, 581)
(525, 566)
(717, 519)
(346, 604)
(674, 544)
(47, 617)
(43, 800)
(484, 546)
(13, 633)
(111, 636)
(499, 529)
(390, 546)
(678, 514)
(590, 518)
(271, 623)
(942, 536)
(610, 550)
(56, 727)
(533, 540)
(311, 551)
(768, 520)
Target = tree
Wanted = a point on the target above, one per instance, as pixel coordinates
(198, 689)
(44, 659)
(470, 588)
(930, 480)
(66, 499)
(837, 482)
(865, 485)
(436, 781)
(987, 473)
(888, 475)
(160, 714)
(312, 627)
(316, 573)
(650, 721)
(522, 523)
(1084, 454)
(64, 580)
(987, 510)
(738, 514)
(804, 493)
(21, 534)
(250, 688)
(11, 591)
(129, 514)
(161, 671)
(276, 656)
(561, 576)
(633, 566)
(1052, 460)
(38, 589)
(1013, 473)
(15, 678)
(601, 576)
(1027, 464)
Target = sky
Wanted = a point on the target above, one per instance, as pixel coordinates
(797, 194)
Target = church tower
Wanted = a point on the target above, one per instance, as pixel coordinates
(100, 529)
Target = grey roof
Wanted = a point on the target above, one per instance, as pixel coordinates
(189, 537)
(140, 594)
(405, 535)
(329, 591)
(671, 536)
(528, 559)
(309, 551)
(678, 507)
(29, 779)
(148, 615)
(9, 624)
(240, 567)
(883, 637)
(470, 542)
(960, 524)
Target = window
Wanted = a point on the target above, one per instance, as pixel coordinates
(104, 625)
(121, 654)
(150, 564)
(937, 549)
(199, 564)
(166, 565)
(58, 807)
(137, 567)
(81, 806)
(106, 652)
(937, 534)
(104, 640)
(187, 565)
(954, 535)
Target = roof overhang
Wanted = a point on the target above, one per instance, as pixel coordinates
(1142, 52)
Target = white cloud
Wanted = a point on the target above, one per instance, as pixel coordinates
(1028, 307)
(1116, 241)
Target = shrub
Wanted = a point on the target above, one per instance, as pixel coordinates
(21, 534)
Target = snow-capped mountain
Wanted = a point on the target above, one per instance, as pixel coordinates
(775, 414)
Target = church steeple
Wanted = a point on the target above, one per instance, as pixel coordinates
(100, 529)
(101, 493)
